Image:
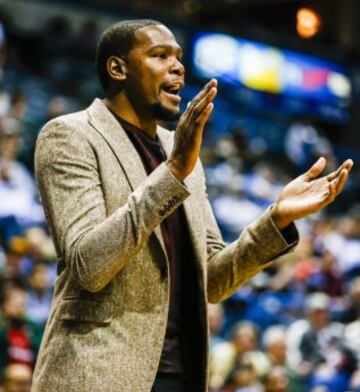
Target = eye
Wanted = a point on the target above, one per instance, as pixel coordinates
(161, 55)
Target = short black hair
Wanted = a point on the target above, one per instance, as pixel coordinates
(117, 40)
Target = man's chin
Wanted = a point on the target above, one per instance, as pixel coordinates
(163, 113)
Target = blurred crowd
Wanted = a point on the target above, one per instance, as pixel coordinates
(295, 327)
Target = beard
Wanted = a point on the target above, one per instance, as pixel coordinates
(165, 114)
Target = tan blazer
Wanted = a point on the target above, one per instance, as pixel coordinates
(108, 318)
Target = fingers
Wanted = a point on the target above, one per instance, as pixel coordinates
(202, 106)
(316, 169)
(340, 181)
(346, 165)
(189, 131)
(201, 94)
(203, 98)
(335, 174)
(200, 124)
(202, 119)
(332, 192)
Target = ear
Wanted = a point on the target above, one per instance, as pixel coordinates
(116, 68)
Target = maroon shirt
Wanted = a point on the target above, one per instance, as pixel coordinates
(173, 230)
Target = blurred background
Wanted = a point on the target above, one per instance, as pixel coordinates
(289, 92)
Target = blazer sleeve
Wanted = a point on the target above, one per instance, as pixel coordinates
(94, 246)
(229, 266)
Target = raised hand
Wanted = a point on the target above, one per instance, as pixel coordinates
(309, 193)
(188, 134)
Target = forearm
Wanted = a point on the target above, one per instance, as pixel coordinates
(96, 245)
(109, 246)
(258, 245)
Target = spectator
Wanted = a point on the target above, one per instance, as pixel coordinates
(352, 330)
(39, 294)
(326, 276)
(19, 337)
(17, 187)
(275, 345)
(276, 380)
(242, 347)
(234, 211)
(344, 243)
(17, 378)
(216, 321)
(57, 106)
(18, 105)
(303, 142)
(262, 184)
(323, 352)
(243, 378)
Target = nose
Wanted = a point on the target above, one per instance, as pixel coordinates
(177, 67)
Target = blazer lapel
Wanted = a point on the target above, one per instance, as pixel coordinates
(104, 122)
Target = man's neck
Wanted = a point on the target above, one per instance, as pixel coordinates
(121, 106)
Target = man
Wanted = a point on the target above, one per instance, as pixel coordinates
(139, 252)
(323, 353)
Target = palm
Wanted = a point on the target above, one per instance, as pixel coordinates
(310, 193)
(301, 197)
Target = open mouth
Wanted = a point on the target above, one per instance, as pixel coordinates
(172, 90)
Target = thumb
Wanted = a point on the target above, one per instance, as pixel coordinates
(316, 169)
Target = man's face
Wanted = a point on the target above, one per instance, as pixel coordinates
(155, 74)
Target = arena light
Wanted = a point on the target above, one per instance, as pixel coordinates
(308, 23)
(258, 66)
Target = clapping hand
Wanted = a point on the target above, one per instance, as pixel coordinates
(188, 135)
(309, 193)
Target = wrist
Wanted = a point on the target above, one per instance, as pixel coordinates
(174, 170)
(279, 220)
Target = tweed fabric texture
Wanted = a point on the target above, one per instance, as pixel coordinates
(108, 318)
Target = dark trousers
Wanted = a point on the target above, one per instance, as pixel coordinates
(167, 382)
